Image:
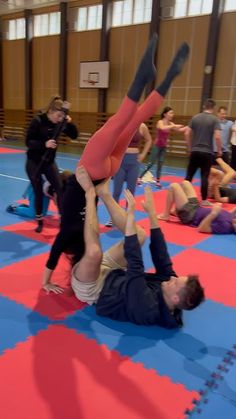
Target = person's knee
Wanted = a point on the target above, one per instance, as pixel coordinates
(185, 183)
(94, 253)
(174, 186)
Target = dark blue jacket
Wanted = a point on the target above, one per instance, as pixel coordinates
(136, 296)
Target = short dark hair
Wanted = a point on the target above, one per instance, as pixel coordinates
(222, 108)
(209, 104)
(192, 294)
(165, 110)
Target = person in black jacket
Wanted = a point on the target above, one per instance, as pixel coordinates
(116, 281)
(42, 146)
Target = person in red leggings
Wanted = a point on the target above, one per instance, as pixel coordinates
(103, 153)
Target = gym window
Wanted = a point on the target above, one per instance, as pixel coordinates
(230, 5)
(89, 18)
(16, 29)
(47, 24)
(128, 12)
(184, 8)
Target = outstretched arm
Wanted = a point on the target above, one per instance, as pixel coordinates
(205, 225)
(158, 248)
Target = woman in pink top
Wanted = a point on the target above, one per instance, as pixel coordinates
(164, 127)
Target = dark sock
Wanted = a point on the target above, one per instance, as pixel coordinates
(175, 69)
(146, 71)
(40, 226)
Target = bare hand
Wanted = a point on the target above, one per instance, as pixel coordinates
(130, 201)
(140, 157)
(53, 288)
(83, 178)
(216, 209)
(68, 119)
(51, 144)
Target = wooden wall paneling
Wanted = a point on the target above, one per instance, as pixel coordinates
(87, 46)
(14, 74)
(127, 45)
(45, 69)
(224, 90)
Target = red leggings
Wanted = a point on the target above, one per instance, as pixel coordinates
(103, 154)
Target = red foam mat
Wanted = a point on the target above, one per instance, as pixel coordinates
(50, 229)
(60, 374)
(22, 282)
(10, 150)
(26, 229)
(176, 233)
(217, 273)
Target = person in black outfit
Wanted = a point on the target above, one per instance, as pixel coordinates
(42, 151)
(116, 281)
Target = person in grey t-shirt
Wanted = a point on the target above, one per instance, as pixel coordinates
(203, 129)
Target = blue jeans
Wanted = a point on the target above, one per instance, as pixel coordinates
(157, 156)
(128, 172)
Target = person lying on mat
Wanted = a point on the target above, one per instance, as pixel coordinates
(28, 210)
(218, 183)
(104, 152)
(187, 208)
(116, 281)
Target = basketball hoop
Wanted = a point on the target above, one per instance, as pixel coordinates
(92, 82)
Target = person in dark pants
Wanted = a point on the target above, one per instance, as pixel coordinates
(203, 129)
(116, 281)
(42, 151)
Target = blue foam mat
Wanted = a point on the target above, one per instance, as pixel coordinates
(223, 245)
(14, 248)
(188, 355)
(17, 323)
(216, 407)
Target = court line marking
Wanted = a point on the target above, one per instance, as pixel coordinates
(14, 177)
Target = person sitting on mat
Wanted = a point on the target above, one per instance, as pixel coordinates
(116, 281)
(187, 208)
(28, 210)
(41, 153)
(104, 151)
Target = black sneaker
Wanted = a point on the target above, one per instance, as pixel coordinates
(11, 208)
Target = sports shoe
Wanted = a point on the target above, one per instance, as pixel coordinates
(10, 208)
(109, 224)
(206, 203)
(158, 185)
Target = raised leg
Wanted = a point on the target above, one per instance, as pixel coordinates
(175, 196)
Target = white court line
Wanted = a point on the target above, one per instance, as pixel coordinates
(14, 177)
